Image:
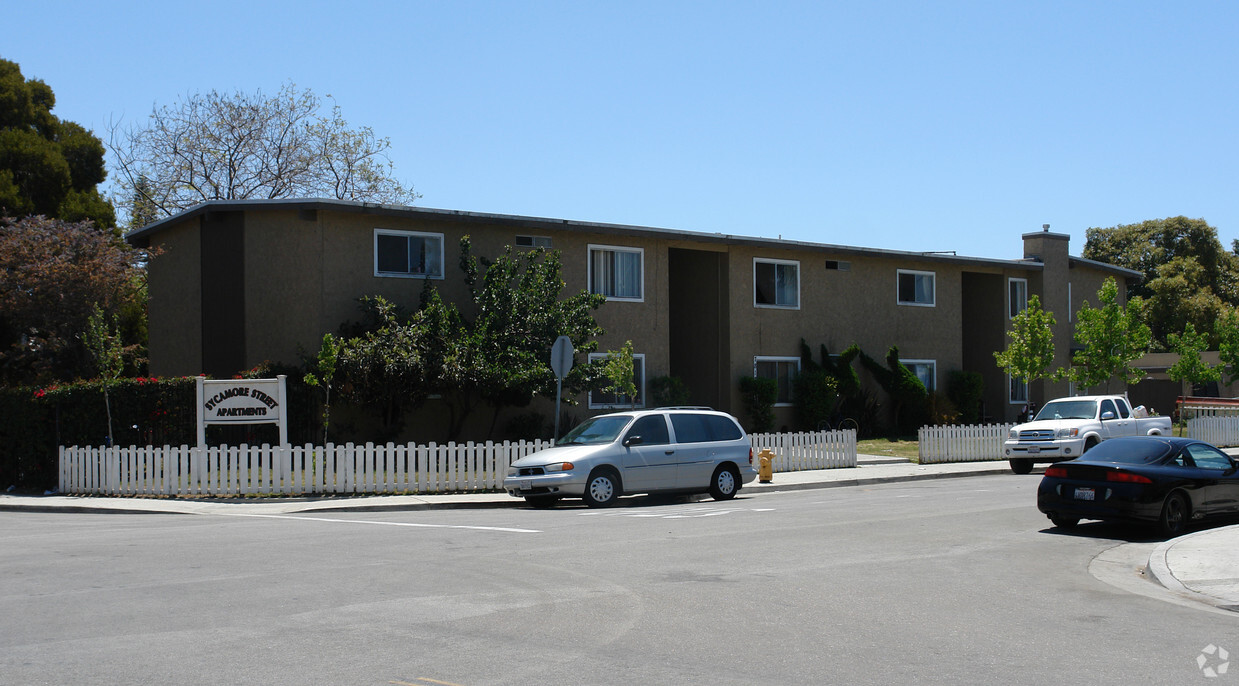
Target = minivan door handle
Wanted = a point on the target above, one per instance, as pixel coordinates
(668, 452)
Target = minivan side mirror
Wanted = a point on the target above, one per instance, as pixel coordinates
(632, 440)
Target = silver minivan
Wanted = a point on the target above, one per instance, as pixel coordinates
(686, 450)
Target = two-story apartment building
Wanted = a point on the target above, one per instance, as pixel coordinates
(242, 282)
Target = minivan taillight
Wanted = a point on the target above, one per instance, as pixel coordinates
(750, 455)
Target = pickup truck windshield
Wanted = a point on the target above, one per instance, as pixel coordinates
(1069, 409)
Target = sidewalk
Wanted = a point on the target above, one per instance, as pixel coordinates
(1203, 566)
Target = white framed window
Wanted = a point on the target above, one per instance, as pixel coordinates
(408, 254)
(776, 283)
(617, 272)
(533, 242)
(925, 370)
(783, 370)
(915, 288)
(1018, 394)
(601, 400)
(1017, 297)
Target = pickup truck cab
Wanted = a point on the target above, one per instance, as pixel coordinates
(1067, 427)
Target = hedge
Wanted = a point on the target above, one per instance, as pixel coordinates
(145, 411)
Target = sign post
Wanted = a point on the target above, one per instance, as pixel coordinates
(561, 364)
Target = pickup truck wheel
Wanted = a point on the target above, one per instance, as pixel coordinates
(1089, 444)
(1020, 466)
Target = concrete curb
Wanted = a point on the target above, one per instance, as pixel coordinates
(1159, 568)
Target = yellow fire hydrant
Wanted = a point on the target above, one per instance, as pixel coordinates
(765, 469)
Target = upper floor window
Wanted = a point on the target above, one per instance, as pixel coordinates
(408, 253)
(1017, 296)
(783, 370)
(616, 272)
(916, 288)
(776, 283)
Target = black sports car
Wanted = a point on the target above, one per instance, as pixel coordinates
(1166, 481)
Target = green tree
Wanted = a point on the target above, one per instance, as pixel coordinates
(102, 339)
(1228, 344)
(1030, 350)
(909, 398)
(1188, 276)
(388, 366)
(48, 166)
(1111, 337)
(816, 391)
(1190, 367)
(322, 372)
(52, 273)
(617, 368)
(228, 146)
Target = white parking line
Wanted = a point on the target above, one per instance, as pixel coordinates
(501, 529)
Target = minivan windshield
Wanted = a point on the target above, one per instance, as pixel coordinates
(1069, 409)
(596, 431)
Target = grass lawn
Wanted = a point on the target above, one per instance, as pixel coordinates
(889, 447)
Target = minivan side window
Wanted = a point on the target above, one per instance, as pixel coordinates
(652, 429)
(703, 428)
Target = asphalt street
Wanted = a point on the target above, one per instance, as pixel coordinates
(944, 581)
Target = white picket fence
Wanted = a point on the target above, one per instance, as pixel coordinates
(811, 450)
(352, 469)
(969, 443)
(1222, 431)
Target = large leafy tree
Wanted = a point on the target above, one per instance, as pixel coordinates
(53, 274)
(229, 146)
(47, 166)
(1030, 352)
(1188, 275)
(497, 351)
(1111, 337)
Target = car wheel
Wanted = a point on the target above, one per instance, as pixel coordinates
(542, 502)
(724, 483)
(1020, 466)
(602, 489)
(1174, 516)
(1065, 522)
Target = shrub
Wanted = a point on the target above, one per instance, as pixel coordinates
(966, 390)
(759, 396)
(668, 391)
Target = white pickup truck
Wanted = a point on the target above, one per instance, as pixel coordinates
(1067, 427)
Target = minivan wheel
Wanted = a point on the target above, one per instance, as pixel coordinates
(724, 484)
(602, 489)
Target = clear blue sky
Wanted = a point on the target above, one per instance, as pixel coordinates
(902, 125)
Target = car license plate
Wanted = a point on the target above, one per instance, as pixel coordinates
(1085, 494)
(524, 485)
(1034, 449)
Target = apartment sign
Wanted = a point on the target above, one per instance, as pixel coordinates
(241, 401)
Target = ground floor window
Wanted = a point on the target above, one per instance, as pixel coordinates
(600, 399)
(925, 370)
(1019, 390)
(783, 370)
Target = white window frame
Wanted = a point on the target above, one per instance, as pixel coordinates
(933, 374)
(1011, 399)
(772, 358)
(1023, 283)
(639, 379)
(407, 234)
(589, 269)
(912, 303)
(769, 260)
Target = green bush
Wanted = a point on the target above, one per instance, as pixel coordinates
(966, 389)
(759, 396)
(668, 391)
(816, 396)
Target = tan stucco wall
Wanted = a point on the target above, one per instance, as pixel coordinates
(175, 287)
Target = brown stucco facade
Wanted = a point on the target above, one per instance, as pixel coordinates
(243, 282)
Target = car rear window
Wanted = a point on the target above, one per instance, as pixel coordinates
(702, 428)
(1128, 451)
